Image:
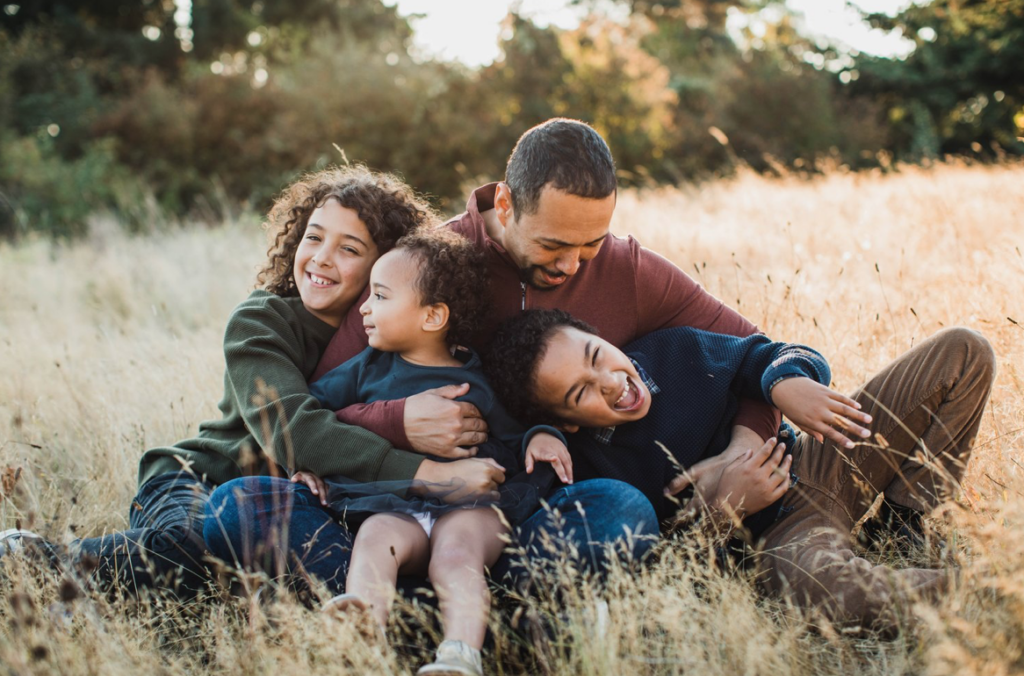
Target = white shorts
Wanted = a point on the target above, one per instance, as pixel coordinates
(426, 520)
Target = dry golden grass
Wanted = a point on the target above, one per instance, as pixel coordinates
(113, 345)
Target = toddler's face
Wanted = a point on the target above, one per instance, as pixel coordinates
(586, 381)
(393, 315)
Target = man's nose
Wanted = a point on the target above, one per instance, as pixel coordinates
(568, 263)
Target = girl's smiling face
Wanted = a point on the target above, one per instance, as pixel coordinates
(586, 381)
(333, 261)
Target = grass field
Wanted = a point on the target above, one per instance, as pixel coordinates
(112, 345)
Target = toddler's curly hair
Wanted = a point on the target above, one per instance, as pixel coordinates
(453, 271)
(387, 206)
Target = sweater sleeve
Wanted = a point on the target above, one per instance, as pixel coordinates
(764, 363)
(263, 352)
(668, 297)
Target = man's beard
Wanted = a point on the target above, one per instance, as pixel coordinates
(534, 276)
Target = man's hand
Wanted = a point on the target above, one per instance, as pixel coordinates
(544, 447)
(314, 483)
(437, 425)
(460, 480)
(819, 411)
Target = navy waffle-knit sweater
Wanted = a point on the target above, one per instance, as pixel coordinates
(698, 380)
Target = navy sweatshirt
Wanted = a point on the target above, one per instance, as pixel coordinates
(373, 375)
(696, 380)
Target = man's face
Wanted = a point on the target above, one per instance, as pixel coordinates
(549, 244)
(585, 380)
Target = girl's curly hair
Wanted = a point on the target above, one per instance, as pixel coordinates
(387, 206)
(453, 271)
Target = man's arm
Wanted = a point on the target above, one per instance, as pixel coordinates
(667, 297)
(429, 422)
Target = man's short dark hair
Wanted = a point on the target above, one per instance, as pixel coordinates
(511, 361)
(568, 154)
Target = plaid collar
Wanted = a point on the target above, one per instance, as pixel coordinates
(603, 435)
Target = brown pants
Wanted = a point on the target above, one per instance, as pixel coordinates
(927, 406)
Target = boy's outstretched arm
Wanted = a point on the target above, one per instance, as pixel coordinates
(819, 411)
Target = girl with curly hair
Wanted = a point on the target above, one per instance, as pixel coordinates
(327, 229)
(424, 301)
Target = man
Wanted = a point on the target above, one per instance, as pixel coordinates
(545, 230)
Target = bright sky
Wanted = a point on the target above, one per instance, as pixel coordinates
(468, 30)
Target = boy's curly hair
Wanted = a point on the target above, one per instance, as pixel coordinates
(387, 206)
(453, 271)
(512, 359)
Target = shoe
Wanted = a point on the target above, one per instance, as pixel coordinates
(896, 523)
(15, 540)
(454, 658)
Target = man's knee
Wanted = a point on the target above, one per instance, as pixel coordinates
(973, 348)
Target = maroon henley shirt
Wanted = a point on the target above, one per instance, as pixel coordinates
(625, 292)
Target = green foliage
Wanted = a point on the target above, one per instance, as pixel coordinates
(962, 89)
(40, 192)
(122, 105)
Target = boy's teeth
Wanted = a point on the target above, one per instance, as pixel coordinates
(624, 393)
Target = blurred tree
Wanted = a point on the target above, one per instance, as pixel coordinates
(962, 88)
(598, 72)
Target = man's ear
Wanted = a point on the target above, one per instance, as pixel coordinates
(503, 204)
(435, 317)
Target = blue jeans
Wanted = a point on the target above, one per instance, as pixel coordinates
(273, 525)
(163, 548)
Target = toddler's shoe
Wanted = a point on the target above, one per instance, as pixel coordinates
(15, 540)
(454, 658)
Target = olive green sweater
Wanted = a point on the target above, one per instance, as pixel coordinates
(271, 346)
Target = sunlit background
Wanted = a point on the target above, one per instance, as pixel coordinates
(157, 111)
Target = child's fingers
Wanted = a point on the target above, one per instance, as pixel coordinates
(838, 437)
(848, 418)
(529, 463)
(560, 471)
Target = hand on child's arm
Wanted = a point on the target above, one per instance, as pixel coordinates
(544, 447)
(459, 480)
(819, 411)
(755, 480)
(438, 425)
(739, 485)
(314, 483)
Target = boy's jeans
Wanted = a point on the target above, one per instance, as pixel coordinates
(164, 546)
(279, 527)
(926, 408)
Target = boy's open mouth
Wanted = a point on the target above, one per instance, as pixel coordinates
(320, 281)
(631, 398)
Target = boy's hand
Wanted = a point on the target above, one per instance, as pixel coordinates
(754, 480)
(544, 447)
(818, 411)
(314, 483)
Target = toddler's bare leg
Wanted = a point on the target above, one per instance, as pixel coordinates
(462, 544)
(386, 545)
